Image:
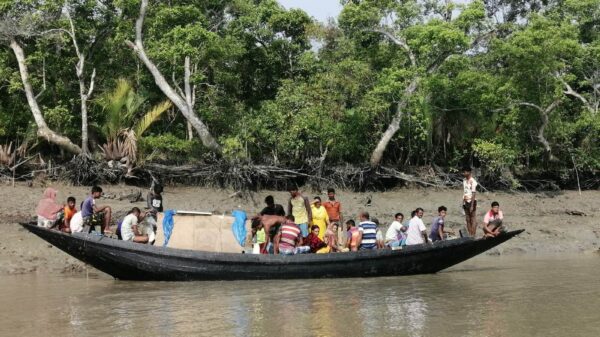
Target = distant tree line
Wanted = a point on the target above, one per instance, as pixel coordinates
(510, 86)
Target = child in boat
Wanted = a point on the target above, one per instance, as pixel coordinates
(69, 212)
(352, 241)
(259, 237)
(130, 231)
(155, 205)
(438, 233)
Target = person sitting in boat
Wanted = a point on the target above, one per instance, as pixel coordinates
(130, 230)
(394, 233)
(314, 242)
(492, 222)
(48, 210)
(288, 240)
(367, 232)
(416, 233)
(438, 233)
(76, 223)
(96, 215)
(155, 205)
(378, 235)
(352, 236)
(259, 237)
(272, 208)
(331, 237)
(69, 212)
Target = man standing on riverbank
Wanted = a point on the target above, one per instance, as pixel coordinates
(299, 207)
(469, 201)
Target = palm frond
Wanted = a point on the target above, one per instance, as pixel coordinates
(150, 117)
(113, 103)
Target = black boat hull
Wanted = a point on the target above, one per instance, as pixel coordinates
(131, 261)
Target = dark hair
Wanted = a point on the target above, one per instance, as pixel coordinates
(318, 198)
(330, 190)
(292, 188)
(495, 203)
(136, 209)
(96, 189)
(398, 214)
(413, 213)
(291, 218)
(350, 223)
(375, 220)
(255, 223)
(442, 208)
(269, 199)
(466, 169)
(314, 227)
(158, 188)
(365, 214)
(69, 199)
(419, 209)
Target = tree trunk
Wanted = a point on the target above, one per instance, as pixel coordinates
(182, 103)
(394, 126)
(43, 130)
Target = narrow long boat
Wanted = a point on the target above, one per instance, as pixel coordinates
(130, 261)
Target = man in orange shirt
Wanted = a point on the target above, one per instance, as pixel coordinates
(334, 211)
(70, 210)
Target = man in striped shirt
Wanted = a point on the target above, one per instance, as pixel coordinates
(367, 232)
(287, 241)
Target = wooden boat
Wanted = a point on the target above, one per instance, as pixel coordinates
(130, 261)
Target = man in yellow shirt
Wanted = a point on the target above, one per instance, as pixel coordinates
(299, 207)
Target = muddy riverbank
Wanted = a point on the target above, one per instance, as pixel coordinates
(563, 222)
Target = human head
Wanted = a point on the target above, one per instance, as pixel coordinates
(315, 229)
(466, 171)
(293, 191)
(375, 220)
(136, 211)
(350, 223)
(317, 201)
(334, 227)
(495, 207)
(71, 202)
(269, 200)
(419, 212)
(399, 217)
(442, 210)
(291, 218)
(157, 189)
(364, 215)
(50, 193)
(96, 192)
(331, 193)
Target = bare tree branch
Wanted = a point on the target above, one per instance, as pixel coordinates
(179, 100)
(544, 113)
(400, 42)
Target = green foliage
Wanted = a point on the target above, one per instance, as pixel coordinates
(274, 86)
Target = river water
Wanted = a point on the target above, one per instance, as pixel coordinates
(487, 296)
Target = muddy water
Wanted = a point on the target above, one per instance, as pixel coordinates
(488, 296)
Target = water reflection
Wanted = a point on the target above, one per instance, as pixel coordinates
(516, 298)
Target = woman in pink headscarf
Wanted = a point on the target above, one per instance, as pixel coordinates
(48, 209)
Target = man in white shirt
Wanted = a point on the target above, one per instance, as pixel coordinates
(129, 227)
(469, 201)
(393, 236)
(417, 232)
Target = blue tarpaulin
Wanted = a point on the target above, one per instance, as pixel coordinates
(239, 226)
(168, 225)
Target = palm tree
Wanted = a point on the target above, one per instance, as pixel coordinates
(122, 107)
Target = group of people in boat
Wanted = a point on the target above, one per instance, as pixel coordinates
(306, 227)
(137, 226)
(319, 227)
